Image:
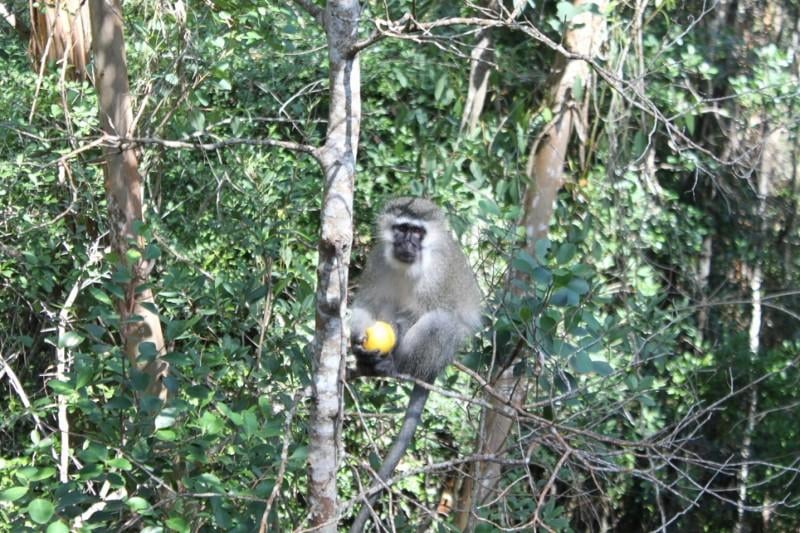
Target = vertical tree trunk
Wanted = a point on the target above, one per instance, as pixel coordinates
(754, 335)
(480, 66)
(771, 160)
(703, 275)
(123, 184)
(60, 32)
(337, 158)
(545, 174)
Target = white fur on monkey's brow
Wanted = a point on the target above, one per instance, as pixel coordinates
(406, 220)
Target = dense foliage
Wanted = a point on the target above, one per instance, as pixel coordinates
(642, 362)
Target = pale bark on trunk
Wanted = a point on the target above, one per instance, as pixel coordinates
(481, 59)
(545, 174)
(60, 32)
(337, 158)
(773, 162)
(703, 275)
(9, 14)
(123, 185)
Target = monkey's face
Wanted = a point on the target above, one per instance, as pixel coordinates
(411, 230)
(407, 240)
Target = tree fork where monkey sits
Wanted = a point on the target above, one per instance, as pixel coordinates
(139, 323)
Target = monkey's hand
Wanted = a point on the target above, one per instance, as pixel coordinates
(371, 363)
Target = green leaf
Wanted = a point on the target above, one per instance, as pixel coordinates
(137, 503)
(237, 126)
(639, 144)
(201, 392)
(70, 339)
(264, 405)
(58, 527)
(211, 423)
(13, 494)
(525, 313)
(565, 11)
(579, 285)
(60, 387)
(476, 171)
(562, 349)
(250, 423)
(541, 248)
(401, 78)
(547, 324)
(166, 418)
(273, 428)
(176, 328)
(489, 207)
(197, 122)
(119, 402)
(646, 400)
(689, 120)
(41, 510)
(120, 276)
(100, 296)
(94, 453)
(582, 270)
(577, 88)
(120, 463)
(564, 297)
(256, 294)
(42, 473)
(177, 523)
(147, 351)
(152, 251)
(232, 415)
(543, 276)
(132, 255)
(524, 263)
(565, 252)
(26, 473)
(440, 86)
(602, 368)
(224, 85)
(84, 376)
(139, 380)
(300, 454)
(519, 284)
(167, 435)
(582, 363)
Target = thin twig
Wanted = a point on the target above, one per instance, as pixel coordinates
(287, 437)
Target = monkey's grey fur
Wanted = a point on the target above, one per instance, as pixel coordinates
(418, 280)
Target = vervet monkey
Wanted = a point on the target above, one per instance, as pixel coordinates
(419, 281)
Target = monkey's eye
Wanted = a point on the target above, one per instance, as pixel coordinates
(409, 229)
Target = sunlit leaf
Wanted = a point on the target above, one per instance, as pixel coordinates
(41, 510)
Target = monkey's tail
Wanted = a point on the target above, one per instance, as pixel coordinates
(416, 404)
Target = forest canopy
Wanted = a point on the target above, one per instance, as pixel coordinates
(189, 192)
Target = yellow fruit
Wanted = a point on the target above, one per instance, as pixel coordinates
(379, 337)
